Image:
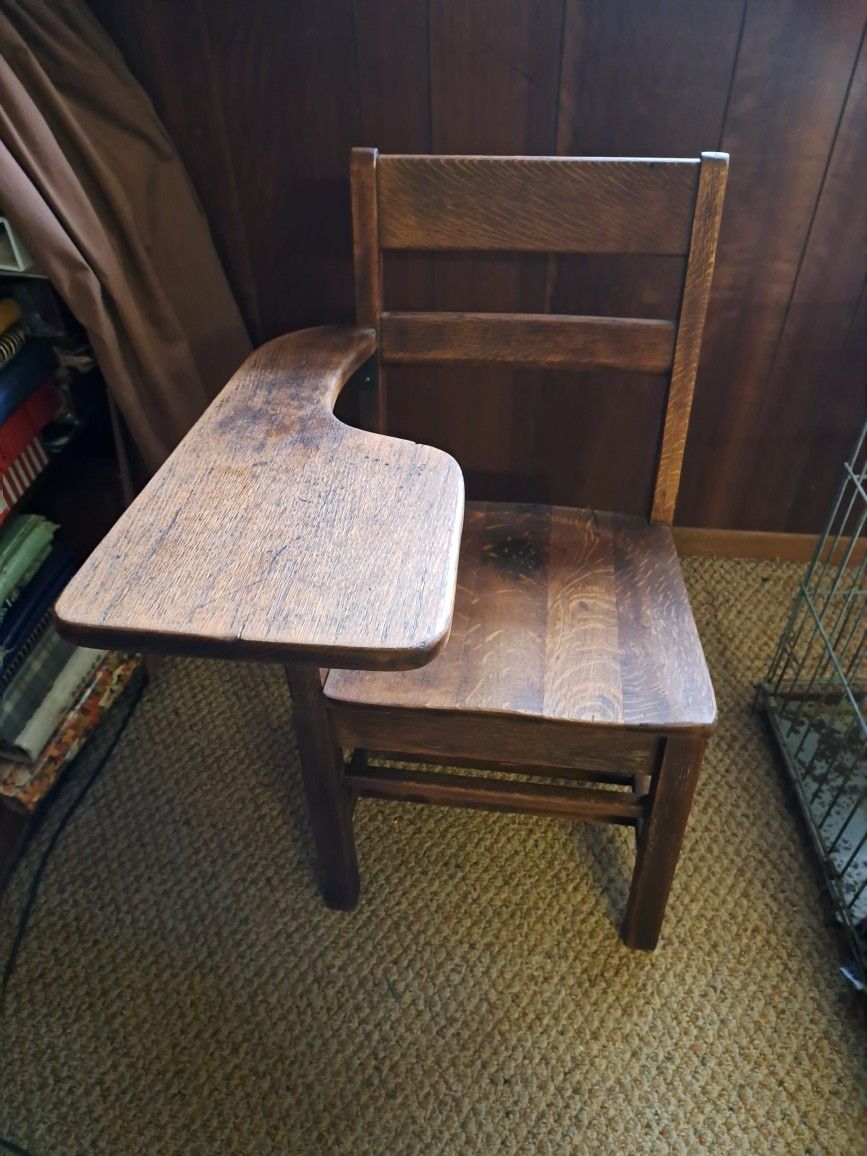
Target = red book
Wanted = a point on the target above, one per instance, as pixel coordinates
(18, 477)
(28, 420)
(43, 405)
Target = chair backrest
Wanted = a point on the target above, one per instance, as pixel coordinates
(555, 205)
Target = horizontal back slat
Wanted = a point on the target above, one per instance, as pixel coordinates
(628, 344)
(525, 204)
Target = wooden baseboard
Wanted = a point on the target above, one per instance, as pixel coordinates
(752, 544)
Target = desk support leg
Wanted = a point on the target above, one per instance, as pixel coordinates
(660, 839)
(328, 801)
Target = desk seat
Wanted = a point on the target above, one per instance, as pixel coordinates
(560, 614)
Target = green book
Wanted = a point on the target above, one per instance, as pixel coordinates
(21, 543)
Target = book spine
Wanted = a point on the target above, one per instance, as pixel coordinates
(11, 669)
(42, 407)
(20, 476)
(68, 686)
(10, 312)
(20, 545)
(23, 786)
(24, 374)
(35, 598)
(28, 420)
(12, 342)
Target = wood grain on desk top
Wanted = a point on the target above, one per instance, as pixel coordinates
(276, 532)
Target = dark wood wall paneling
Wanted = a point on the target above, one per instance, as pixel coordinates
(265, 100)
(792, 78)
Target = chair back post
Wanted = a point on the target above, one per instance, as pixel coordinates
(368, 276)
(690, 327)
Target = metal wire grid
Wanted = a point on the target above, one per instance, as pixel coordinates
(814, 696)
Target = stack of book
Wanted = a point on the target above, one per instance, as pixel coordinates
(28, 402)
(52, 694)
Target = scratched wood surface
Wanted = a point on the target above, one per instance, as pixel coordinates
(275, 532)
(563, 615)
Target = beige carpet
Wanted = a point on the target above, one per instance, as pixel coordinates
(183, 990)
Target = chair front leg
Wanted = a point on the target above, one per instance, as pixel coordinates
(660, 839)
(328, 801)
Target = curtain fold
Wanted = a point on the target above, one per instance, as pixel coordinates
(94, 186)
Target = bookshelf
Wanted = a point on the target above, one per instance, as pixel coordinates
(75, 474)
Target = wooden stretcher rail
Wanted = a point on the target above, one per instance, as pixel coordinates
(449, 790)
(633, 345)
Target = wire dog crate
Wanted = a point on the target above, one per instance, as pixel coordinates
(814, 697)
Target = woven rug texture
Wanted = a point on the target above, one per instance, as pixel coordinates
(182, 989)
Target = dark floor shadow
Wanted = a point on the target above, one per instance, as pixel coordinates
(609, 857)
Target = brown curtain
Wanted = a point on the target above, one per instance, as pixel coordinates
(91, 181)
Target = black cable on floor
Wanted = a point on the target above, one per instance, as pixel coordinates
(8, 1146)
(33, 891)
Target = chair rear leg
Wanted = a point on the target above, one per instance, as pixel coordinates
(660, 839)
(328, 801)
